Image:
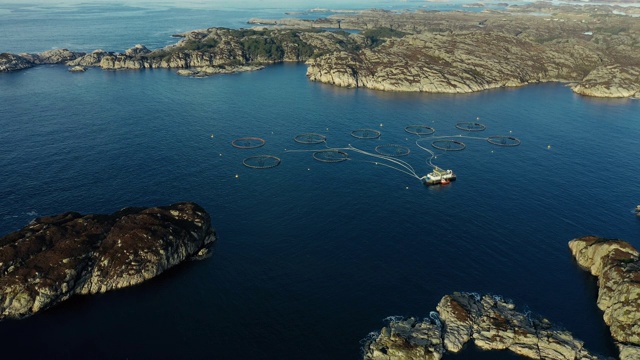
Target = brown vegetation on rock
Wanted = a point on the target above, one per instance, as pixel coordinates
(55, 257)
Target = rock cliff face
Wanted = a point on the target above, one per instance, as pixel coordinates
(453, 63)
(55, 257)
(615, 81)
(12, 62)
(617, 266)
(492, 323)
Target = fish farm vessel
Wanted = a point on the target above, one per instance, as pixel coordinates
(438, 177)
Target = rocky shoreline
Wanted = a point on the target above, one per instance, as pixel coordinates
(592, 48)
(55, 257)
(617, 265)
(490, 321)
(495, 324)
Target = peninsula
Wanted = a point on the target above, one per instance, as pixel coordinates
(593, 48)
(55, 257)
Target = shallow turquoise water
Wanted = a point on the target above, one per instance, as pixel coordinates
(312, 256)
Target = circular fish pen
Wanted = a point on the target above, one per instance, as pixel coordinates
(392, 150)
(330, 156)
(448, 145)
(419, 130)
(310, 138)
(365, 134)
(261, 162)
(470, 126)
(248, 143)
(503, 140)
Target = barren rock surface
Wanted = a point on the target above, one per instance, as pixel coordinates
(617, 265)
(55, 257)
(491, 322)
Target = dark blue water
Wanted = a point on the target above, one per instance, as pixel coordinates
(312, 256)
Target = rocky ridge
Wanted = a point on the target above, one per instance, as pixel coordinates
(55, 257)
(453, 63)
(567, 30)
(490, 321)
(617, 265)
(590, 47)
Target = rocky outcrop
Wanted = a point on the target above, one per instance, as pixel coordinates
(614, 81)
(77, 69)
(56, 56)
(452, 63)
(217, 50)
(137, 50)
(208, 71)
(55, 257)
(617, 265)
(490, 321)
(92, 59)
(12, 62)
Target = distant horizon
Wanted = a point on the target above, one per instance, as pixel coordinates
(244, 4)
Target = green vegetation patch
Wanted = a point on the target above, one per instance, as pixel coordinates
(376, 37)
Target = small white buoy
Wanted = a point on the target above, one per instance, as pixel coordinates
(237, 176)
(308, 169)
(220, 154)
(548, 146)
(407, 188)
(380, 124)
(212, 136)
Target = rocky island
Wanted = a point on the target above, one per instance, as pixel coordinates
(495, 324)
(490, 321)
(617, 265)
(593, 48)
(55, 257)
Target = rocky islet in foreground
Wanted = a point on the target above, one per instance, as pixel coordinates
(490, 321)
(495, 324)
(55, 257)
(617, 265)
(590, 47)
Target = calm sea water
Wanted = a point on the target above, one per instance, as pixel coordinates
(312, 256)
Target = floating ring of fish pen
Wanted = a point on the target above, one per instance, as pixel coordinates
(261, 162)
(248, 143)
(449, 145)
(365, 134)
(419, 130)
(330, 156)
(392, 150)
(503, 140)
(310, 138)
(470, 126)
